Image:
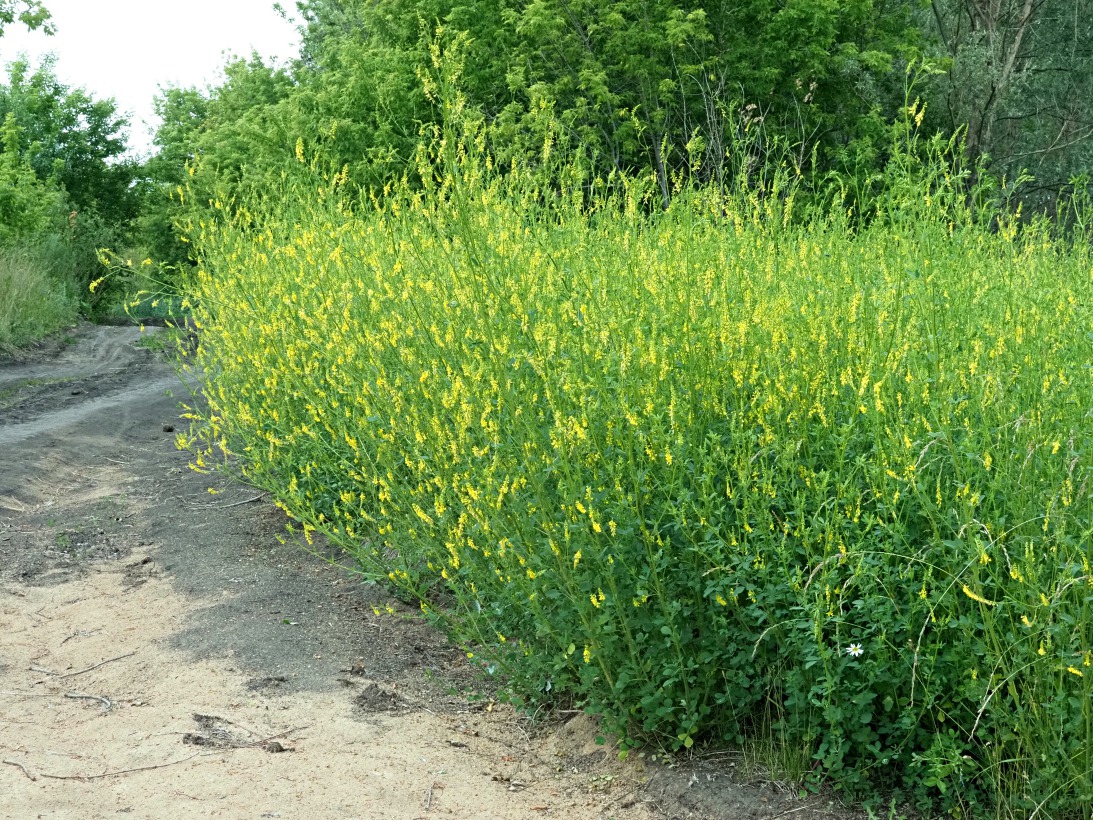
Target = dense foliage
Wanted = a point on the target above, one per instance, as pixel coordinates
(30, 13)
(1019, 79)
(72, 139)
(689, 360)
(65, 192)
(673, 87)
(715, 472)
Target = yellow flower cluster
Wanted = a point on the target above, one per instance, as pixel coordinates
(583, 422)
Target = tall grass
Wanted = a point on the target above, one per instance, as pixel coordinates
(34, 299)
(714, 473)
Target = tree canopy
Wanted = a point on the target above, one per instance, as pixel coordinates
(31, 13)
(71, 138)
(698, 89)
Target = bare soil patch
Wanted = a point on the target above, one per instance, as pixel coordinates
(163, 652)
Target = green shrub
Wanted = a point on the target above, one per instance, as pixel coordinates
(28, 206)
(34, 300)
(708, 472)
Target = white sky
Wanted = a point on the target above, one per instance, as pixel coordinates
(126, 49)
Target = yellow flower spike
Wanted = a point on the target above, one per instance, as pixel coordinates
(975, 597)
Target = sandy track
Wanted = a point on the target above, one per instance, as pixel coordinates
(242, 677)
(206, 729)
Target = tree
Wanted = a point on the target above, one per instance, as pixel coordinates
(634, 82)
(73, 139)
(230, 138)
(29, 207)
(31, 13)
(1019, 80)
(678, 88)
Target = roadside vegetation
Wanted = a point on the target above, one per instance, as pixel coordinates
(717, 471)
(724, 372)
(65, 193)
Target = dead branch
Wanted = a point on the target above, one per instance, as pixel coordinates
(227, 506)
(96, 666)
(86, 777)
(26, 771)
(104, 701)
(266, 740)
(83, 633)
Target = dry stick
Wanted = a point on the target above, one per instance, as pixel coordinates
(79, 634)
(26, 771)
(227, 506)
(104, 701)
(125, 771)
(266, 740)
(86, 777)
(789, 811)
(96, 666)
(240, 503)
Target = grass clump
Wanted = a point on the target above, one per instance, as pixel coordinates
(34, 300)
(715, 473)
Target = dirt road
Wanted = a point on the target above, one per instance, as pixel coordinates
(164, 654)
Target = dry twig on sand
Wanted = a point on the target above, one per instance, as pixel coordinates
(96, 666)
(86, 777)
(26, 771)
(104, 701)
(227, 506)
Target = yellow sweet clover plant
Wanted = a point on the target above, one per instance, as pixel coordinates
(708, 470)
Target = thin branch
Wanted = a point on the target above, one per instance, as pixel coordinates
(96, 666)
(227, 506)
(26, 771)
(86, 777)
(104, 701)
(264, 741)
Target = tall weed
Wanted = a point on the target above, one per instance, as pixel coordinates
(710, 472)
(34, 299)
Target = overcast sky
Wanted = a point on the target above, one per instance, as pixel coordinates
(126, 49)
